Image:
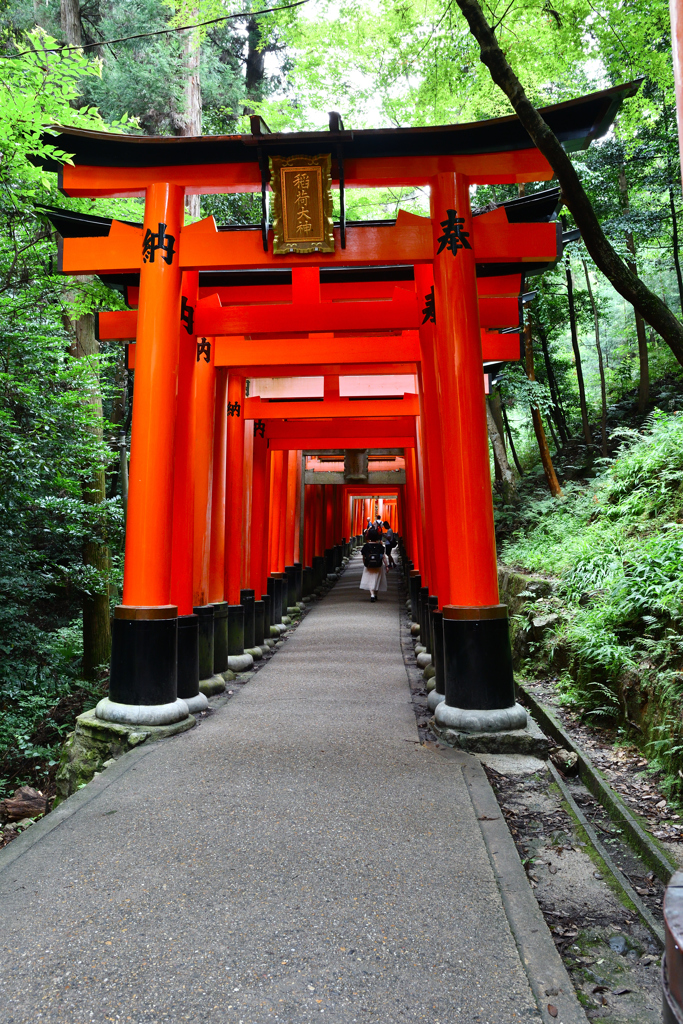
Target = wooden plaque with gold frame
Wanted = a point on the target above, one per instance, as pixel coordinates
(302, 190)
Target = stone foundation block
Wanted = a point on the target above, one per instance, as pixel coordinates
(94, 741)
(529, 741)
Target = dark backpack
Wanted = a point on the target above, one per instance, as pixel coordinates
(373, 555)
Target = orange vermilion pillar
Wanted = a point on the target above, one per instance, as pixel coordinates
(205, 400)
(430, 425)
(220, 438)
(479, 686)
(676, 12)
(275, 518)
(234, 489)
(260, 487)
(144, 640)
(182, 560)
(290, 507)
(183, 480)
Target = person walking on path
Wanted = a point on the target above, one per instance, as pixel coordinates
(374, 576)
(389, 541)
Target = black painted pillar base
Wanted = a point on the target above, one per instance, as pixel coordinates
(275, 593)
(329, 561)
(422, 606)
(437, 653)
(299, 580)
(220, 637)
(143, 678)
(479, 682)
(338, 555)
(308, 581)
(247, 602)
(432, 605)
(415, 582)
(267, 603)
(290, 574)
(235, 630)
(318, 570)
(210, 682)
(188, 664)
(279, 596)
(259, 623)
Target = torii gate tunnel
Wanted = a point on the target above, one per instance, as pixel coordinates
(387, 330)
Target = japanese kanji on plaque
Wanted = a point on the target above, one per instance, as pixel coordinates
(302, 189)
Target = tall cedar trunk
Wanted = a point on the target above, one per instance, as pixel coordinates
(601, 368)
(117, 417)
(548, 467)
(577, 354)
(496, 412)
(643, 361)
(557, 412)
(512, 443)
(96, 625)
(649, 305)
(672, 203)
(72, 28)
(192, 121)
(256, 65)
(507, 478)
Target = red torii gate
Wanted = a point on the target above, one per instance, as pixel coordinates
(454, 455)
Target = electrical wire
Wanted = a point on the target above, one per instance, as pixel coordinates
(159, 32)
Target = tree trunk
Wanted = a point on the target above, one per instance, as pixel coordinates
(558, 412)
(507, 478)
(577, 355)
(192, 124)
(256, 65)
(72, 28)
(601, 368)
(512, 443)
(674, 239)
(547, 461)
(96, 624)
(649, 305)
(643, 360)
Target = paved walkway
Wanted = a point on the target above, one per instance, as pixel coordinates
(297, 857)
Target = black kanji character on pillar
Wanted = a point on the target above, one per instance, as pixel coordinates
(204, 349)
(430, 309)
(260, 428)
(154, 240)
(187, 316)
(234, 409)
(453, 236)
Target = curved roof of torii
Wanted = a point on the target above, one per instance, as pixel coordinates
(576, 123)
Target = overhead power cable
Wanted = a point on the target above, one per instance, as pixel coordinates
(159, 32)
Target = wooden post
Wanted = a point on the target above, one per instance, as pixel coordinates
(144, 638)
(234, 489)
(259, 515)
(205, 403)
(676, 13)
(220, 437)
(147, 571)
(183, 478)
(478, 659)
(430, 426)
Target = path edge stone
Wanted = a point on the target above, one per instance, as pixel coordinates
(548, 978)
